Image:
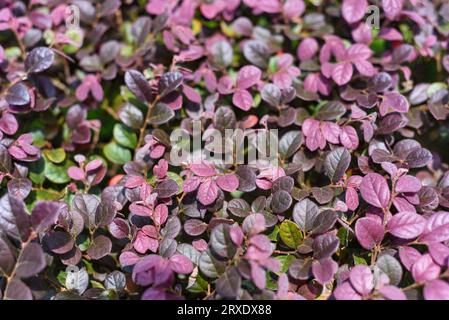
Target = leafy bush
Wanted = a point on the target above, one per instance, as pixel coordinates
(93, 207)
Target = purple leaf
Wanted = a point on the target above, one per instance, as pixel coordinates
(258, 275)
(44, 215)
(437, 228)
(8, 124)
(18, 95)
(358, 52)
(351, 199)
(349, 137)
(436, 290)
(369, 233)
(39, 59)
(181, 264)
(248, 76)
(345, 291)
(408, 256)
(408, 184)
(167, 188)
(307, 49)
(439, 253)
(242, 99)
(354, 10)
(362, 279)
(76, 173)
(31, 261)
(324, 270)
(424, 269)
(392, 293)
(374, 190)
(393, 101)
(392, 8)
(208, 192)
(100, 247)
(228, 182)
(19, 187)
(406, 225)
(203, 169)
(254, 224)
(119, 228)
(191, 184)
(342, 73)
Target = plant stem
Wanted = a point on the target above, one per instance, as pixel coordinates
(146, 122)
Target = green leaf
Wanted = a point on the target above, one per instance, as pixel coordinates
(291, 234)
(273, 236)
(124, 136)
(58, 173)
(359, 260)
(83, 242)
(55, 155)
(285, 261)
(48, 194)
(116, 153)
(37, 171)
(197, 284)
(62, 275)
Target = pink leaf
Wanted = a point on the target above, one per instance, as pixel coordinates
(208, 192)
(236, 234)
(424, 269)
(408, 256)
(342, 73)
(181, 264)
(203, 169)
(307, 49)
(436, 290)
(369, 232)
(331, 132)
(349, 137)
(293, 8)
(406, 225)
(160, 214)
(374, 190)
(191, 184)
(362, 279)
(392, 8)
(437, 228)
(351, 199)
(258, 275)
(439, 253)
(354, 10)
(229, 182)
(394, 101)
(358, 52)
(248, 76)
(242, 99)
(408, 184)
(76, 173)
(392, 293)
(324, 270)
(346, 292)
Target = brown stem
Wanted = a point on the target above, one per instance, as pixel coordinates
(147, 121)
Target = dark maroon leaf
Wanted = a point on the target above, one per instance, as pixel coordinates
(39, 59)
(138, 85)
(100, 247)
(18, 95)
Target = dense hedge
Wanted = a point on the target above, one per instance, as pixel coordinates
(92, 205)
